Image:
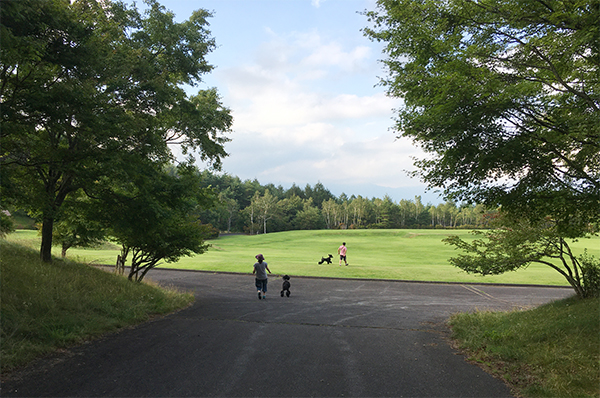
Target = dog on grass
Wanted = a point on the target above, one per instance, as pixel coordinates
(286, 286)
(326, 260)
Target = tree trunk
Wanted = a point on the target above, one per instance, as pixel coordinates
(46, 248)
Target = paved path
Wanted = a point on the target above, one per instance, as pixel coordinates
(330, 338)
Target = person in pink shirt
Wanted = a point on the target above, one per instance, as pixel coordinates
(342, 252)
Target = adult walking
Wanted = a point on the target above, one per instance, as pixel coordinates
(342, 252)
(260, 269)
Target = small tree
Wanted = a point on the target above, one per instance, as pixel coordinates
(153, 218)
(513, 244)
(172, 239)
(74, 228)
(267, 207)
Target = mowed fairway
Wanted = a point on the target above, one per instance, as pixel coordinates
(416, 255)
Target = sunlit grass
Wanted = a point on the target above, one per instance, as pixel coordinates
(416, 255)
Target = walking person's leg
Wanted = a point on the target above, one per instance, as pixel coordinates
(264, 288)
(258, 284)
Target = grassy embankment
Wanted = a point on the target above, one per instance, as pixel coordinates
(46, 307)
(549, 351)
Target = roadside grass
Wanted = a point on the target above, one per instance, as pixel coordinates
(402, 254)
(549, 351)
(45, 307)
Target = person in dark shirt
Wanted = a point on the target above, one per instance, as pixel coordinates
(260, 269)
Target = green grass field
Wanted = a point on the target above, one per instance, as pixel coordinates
(417, 255)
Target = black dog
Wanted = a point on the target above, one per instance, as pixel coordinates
(326, 260)
(286, 286)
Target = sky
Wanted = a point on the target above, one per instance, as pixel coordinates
(302, 83)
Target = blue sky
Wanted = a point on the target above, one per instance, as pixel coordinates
(301, 80)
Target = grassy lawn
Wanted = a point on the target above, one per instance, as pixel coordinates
(378, 254)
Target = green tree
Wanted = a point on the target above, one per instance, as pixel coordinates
(358, 207)
(515, 243)
(230, 205)
(89, 86)
(75, 228)
(390, 213)
(152, 216)
(309, 217)
(319, 193)
(504, 96)
(266, 206)
(505, 99)
(330, 211)
(288, 210)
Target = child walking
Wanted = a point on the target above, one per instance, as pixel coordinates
(260, 269)
(342, 252)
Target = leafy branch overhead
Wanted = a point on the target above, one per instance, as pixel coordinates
(504, 95)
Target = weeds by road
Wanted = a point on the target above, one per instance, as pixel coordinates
(549, 351)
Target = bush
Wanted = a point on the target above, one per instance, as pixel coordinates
(590, 268)
(210, 232)
(6, 224)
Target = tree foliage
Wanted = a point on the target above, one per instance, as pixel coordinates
(512, 244)
(89, 87)
(153, 216)
(504, 96)
(296, 208)
(77, 227)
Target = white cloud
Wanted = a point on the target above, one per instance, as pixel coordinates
(289, 127)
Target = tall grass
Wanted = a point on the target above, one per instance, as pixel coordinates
(50, 306)
(549, 351)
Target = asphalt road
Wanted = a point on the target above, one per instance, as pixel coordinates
(331, 338)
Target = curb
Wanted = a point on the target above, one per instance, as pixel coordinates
(361, 279)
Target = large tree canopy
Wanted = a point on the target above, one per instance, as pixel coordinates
(88, 86)
(504, 96)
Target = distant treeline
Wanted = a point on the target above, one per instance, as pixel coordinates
(249, 207)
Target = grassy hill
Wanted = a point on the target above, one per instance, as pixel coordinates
(549, 351)
(50, 306)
